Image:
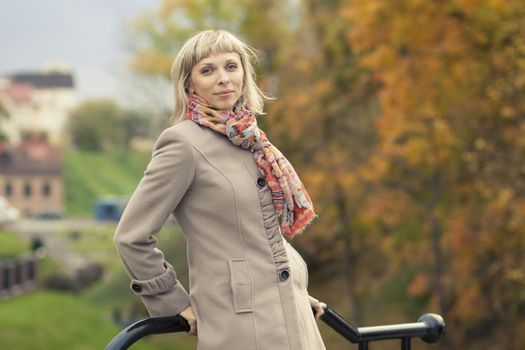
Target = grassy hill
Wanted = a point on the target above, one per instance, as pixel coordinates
(49, 320)
(11, 245)
(88, 175)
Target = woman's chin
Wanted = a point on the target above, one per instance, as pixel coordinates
(223, 106)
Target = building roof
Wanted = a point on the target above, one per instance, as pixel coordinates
(44, 80)
(31, 157)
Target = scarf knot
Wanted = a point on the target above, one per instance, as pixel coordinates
(293, 205)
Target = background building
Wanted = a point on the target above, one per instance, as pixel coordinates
(31, 177)
(37, 103)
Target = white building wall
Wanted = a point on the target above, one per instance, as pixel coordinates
(46, 111)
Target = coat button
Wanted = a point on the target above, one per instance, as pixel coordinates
(284, 274)
(261, 182)
(136, 287)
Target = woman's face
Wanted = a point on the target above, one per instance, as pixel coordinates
(218, 79)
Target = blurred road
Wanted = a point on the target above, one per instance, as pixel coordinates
(51, 232)
(32, 226)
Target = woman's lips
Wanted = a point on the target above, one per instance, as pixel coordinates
(224, 93)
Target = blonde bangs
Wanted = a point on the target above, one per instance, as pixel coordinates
(210, 45)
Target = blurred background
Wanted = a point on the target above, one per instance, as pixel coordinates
(405, 120)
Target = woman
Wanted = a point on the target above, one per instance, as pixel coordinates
(234, 196)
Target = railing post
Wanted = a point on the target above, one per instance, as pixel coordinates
(406, 343)
(10, 278)
(363, 345)
(31, 272)
(28, 272)
(18, 276)
(4, 280)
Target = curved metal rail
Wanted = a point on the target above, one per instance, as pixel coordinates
(429, 328)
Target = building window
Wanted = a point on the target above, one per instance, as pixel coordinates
(8, 189)
(46, 190)
(27, 189)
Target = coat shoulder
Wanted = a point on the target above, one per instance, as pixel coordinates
(176, 142)
(193, 135)
(185, 129)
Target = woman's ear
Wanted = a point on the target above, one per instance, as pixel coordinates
(187, 86)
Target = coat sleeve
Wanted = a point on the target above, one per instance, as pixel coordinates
(165, 181)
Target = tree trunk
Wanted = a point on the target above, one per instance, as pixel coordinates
(349, 259)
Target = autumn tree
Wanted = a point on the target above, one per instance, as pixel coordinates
(98, 125)
(324, 122)
(451, 153)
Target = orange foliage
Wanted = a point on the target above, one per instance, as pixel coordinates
(452, 74)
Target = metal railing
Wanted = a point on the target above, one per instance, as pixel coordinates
(430, 328)
(17, 275)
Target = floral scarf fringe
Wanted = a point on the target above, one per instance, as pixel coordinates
(292, 203)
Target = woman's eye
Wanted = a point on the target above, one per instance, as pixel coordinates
(206, 71)
(231, 67)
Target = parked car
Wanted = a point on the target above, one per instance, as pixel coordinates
(49, 215)
(109, 208)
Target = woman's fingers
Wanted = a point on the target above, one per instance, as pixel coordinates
(318, 311)
(189, 316)
(193, 327)
(317, 306)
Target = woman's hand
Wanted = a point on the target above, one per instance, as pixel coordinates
(189, 316)
(317, 306)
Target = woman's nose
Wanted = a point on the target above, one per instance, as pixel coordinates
(223, 77)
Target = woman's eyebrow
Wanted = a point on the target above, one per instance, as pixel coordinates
(229, 60)
(204, 64)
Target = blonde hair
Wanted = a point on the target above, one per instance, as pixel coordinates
(200, 46)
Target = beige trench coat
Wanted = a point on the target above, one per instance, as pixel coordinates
(241, 288)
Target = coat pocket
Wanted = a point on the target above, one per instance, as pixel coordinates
(242, 285)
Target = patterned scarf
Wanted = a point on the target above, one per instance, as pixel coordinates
(292, 203)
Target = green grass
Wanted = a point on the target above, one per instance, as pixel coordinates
(90, 174)
(93, 243)
(49, 320)
(12, 245)
(47, 267)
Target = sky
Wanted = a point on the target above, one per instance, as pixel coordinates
(87, 35)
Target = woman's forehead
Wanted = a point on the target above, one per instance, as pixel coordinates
(218, 57)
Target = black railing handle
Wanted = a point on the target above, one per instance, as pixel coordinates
(436, 327)
(430, 328)
(340, 325)
(155, 325)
